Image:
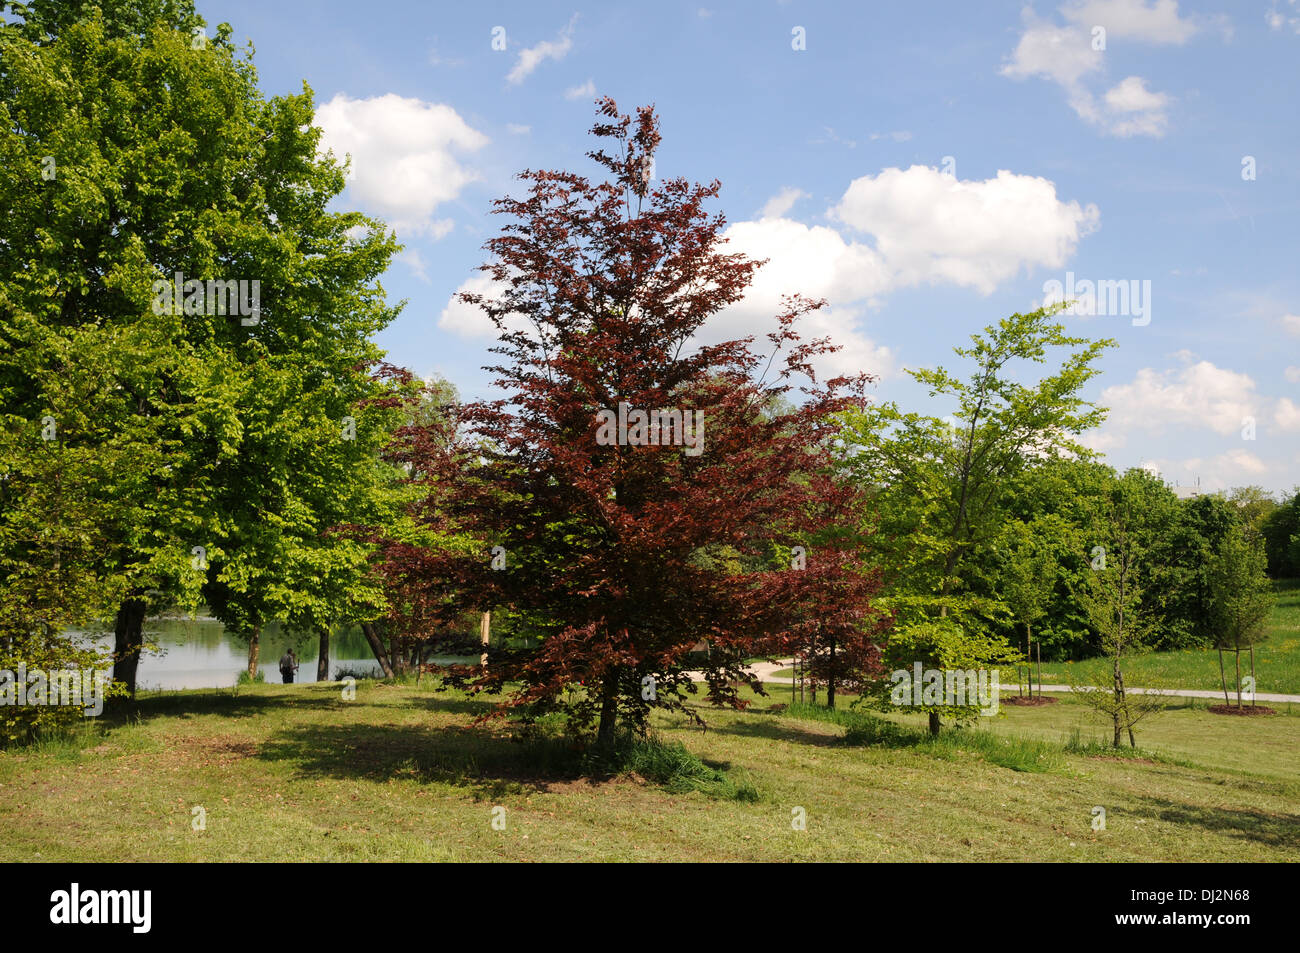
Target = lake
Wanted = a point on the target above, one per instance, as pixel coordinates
(198, 653)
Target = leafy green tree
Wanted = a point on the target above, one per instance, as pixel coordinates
(1029, 573)
(1113, 600)
(1241, 598)
(1281, 531)
(135, 147)
(939, 484)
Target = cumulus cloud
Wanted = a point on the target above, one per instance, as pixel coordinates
(405, 156)
(534, 56)
(782, 202)
(1155, 22)
(931, 227)
(1287, 414)
(1069, 55)
(1195, 396)
(467, 320)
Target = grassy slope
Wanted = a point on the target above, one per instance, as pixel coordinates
(296, 773)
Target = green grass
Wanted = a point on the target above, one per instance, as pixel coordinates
(1277, 660)
(295, 773)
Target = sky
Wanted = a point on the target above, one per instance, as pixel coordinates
(927, 168)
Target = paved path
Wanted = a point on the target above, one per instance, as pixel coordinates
(763, 671)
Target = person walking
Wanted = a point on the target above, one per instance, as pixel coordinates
(288, 665)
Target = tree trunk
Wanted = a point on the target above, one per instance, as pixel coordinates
(1117, 683)
(484, 635)
(1038, 653)
(608, 711)
(830, 678)
(127, 639)
(934, 723)
(1252, 676)
(377, 646)
(323, 660)
(1223, 679)
(254, 649)
(1238, 678)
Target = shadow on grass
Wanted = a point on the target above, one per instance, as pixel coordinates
(773, 729)
(488, 764)
(1275, 830)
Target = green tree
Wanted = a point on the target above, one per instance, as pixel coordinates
(939, 484)
(1113, 601)
(134, 147)
(1240, 598)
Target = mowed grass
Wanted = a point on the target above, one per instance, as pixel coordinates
(296, 773)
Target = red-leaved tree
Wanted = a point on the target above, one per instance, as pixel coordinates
(639, 493)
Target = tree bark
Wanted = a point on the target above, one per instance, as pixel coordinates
(830, 677)
(485, 635)
(1238, 678)
(1038, 654)
(608, 711)
(323, 659)
(1223, 679)
(934, 723)
(127, 640)
(377, 646)
(254, 649)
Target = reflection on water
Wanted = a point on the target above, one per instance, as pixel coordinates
(197, 653)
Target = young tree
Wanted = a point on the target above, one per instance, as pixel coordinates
(940, 484)
(1113, 602)
(627, 458)
(1029, 574)
(1241, 598)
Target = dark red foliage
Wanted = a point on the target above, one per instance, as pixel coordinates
(620, 559)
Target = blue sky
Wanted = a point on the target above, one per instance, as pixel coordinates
(927, 167)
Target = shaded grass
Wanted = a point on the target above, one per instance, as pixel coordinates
(293, 773)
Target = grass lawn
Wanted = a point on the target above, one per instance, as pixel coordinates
(297, 773)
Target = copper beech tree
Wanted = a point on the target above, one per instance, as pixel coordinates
(637, 493)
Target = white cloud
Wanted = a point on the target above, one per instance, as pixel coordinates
(782, 202)
(901, 135)
(533, 56)
(1196, 396)
(1136, 110)
(1278, 20)
(586, 91)
(1287, 414)
(1155, 22)
(1066, 56)
(404, 156)
(932, 227)
(1292, 323)
(1227, 468)
(467, 320)
(515, 129)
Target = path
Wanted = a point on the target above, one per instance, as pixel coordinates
(763, 671)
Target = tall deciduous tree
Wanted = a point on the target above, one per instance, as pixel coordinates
(940, 483)
(133, 147)
(624, 540)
